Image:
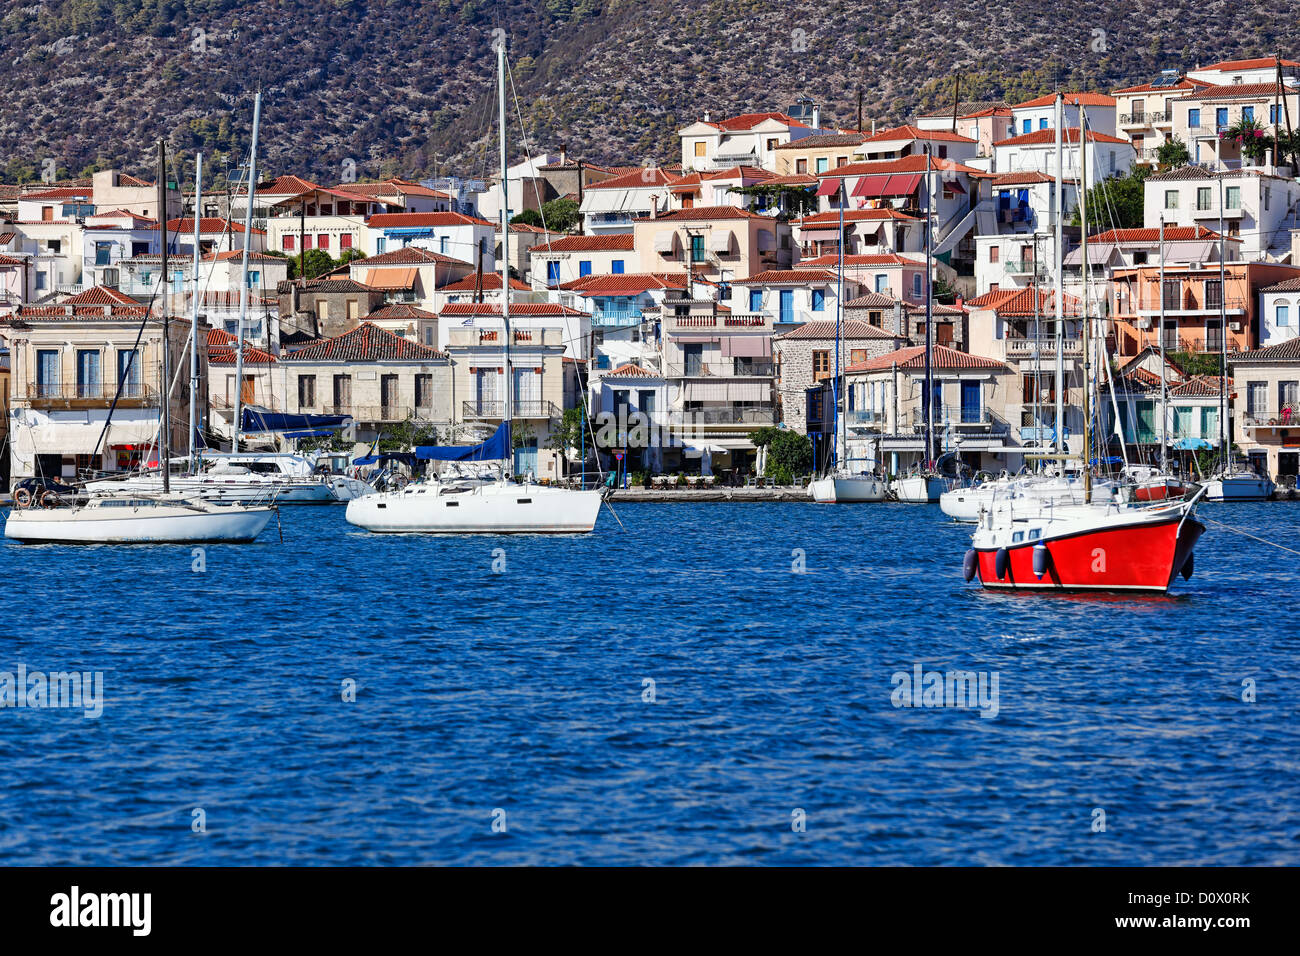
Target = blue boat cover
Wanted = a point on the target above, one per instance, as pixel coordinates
(405, 457)
(495, 448)
(258, 419)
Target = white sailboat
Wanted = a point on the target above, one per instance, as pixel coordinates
(925, 485)
(97, 517)
(246, 478)
(842, 483)
(475, 507)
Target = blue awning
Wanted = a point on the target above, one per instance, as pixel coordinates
(1191, 444)
(410, 231)
(257, 419)
(495, 448)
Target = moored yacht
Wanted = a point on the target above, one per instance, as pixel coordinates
(1238, 484)
(135, 519)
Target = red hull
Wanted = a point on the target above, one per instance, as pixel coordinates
(1139, 557)
(1159, 491)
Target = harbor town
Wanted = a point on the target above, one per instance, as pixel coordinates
(1090, 296)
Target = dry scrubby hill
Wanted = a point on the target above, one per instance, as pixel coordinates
(405, 87)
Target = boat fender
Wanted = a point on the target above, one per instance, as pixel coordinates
(1001, 562)
(22, 498)
(1041, 558)
(1188, 567)
(970, 564)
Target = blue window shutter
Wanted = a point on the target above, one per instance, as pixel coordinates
(818, 300)
(552, 273)
(1026, 126)
(616, 267)
(584, 267)
(755, 300)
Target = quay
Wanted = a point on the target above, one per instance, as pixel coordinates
(715, 493)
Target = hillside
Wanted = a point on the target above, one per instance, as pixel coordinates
(407, 87)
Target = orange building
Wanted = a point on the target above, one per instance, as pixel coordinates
(1195, 300)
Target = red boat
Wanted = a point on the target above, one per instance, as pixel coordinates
(1097, 547)
(1151, 484)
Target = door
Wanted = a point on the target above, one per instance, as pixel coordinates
(755, 300)
(787, 305)
(47, 373)
(246, 390)
(388, 397)
(693, 356)
(128, 372)
(342, 393)
(485, 393)
(526, 457)
(971, 412)
(528, 393)
(88, 377)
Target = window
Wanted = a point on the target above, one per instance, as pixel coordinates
(254, 278)
(1213, 293)
(857, 355)
(1256, 399)
(345, 241)
(1042, 123)
(882, 283)
(697, 248)
(994, 252)
(552, 273)
(876, 318)
(616, 267)
(801, 165)
(755, 300)
(699, 148)
(47, 372)
(1026, 126)
(128, 372)
(916, 285)
(286, 243)
(424, 389)
(1233, 197)
(306, 391)
(1273, 113)
(1194, 118)
(380, 245)
(1203, 198)
(821, 364)
(822, 164)
(584, 267)
(342, 391)
(771, 144)
(841, 161)
(1171, 198)
(322, 241)
(1287, 393)
(54, 245)
(1221, 117)
(306, 242)
(103, 253)
(1282, 315)
(1266, 197)
(40, 281)
(819, 300)
(1248, 114)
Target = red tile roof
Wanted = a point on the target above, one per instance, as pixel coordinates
(207, 226)
(1172, 234)
(904, 164)
(408, 256)
(1021, 302)
(285, 186)
(400, 310)
(1071, 99)
(750, 120)
(237, 255)
(100, 295)
(617, 242)
(225, 355)
(825, 329)
(708, 212)
(1026, 178)
(1229, 91)
(62, 193)
(1258, 63)
(859, 259)
(1183, 84)
(1200, 385)
(1040, 137)
(913, 357)
(787, 277)
(915, 132)
(626, 283)
(516, 308)
(631, 370)
(797, 179)
(646, 178)
(487, 282)
(10, 261)
(366, 343)
(400, 220)
(1288, 351)
(825, 141)
(832, 218)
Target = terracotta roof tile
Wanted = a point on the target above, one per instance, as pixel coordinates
(418, 220)
(1040, 137)
(913, 357)
(366, 343)
(825, 329)
(617, 242)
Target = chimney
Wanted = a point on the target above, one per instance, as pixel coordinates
(654, 207)
(898, 320)
(817, 117)
(564, 155)
(706, 116)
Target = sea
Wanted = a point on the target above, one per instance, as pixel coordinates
(711, 683)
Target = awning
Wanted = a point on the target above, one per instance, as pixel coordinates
(820, 235)
(901, 184)
(869, 186)
(746, 346)
(720, 240)
(1190, 444)
(1190, 251)
(411, 232)
(829, 187)
(694, 337)
(391, 278)
(665, 240)
(706, 392)
(748, 392)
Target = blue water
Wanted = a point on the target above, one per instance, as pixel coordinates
(522, 691)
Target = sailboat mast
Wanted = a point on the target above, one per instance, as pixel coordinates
(243, 280)
(505, 238)
(929, 364)
(1059, 337)
(1225, 447)
(1087, 323)
(838, 420)
(1164, 378)
(166, 454)
(194, 317)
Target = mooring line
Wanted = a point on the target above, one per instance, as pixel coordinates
(1249, 535)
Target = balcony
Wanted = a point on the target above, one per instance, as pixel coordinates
(749, 416)
(1189, 304)
(1024, 266)
(494, 411)
(1143, 119)
(89, 395)
(957, 416)
(1024, 348)
(726, 320)
(1261, 419)
(616, 319)
(1205, 131)
(722, 370)
(864, 418)
(371, 413)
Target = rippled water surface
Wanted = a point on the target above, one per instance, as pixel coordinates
(523, 692)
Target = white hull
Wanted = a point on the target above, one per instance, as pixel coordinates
(918, 489)
(1239, 488)
(242, 490)
(498, 508)
(848, 490)
(149, 524)
(966, 504)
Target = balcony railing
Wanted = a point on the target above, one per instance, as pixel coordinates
(713, 415)
(722, 370)
(863, 418)
(90, 395)
(1024, 348)
(956, 415)
(1142, 118)
(1188, 303)
(616, 318)
(1289, 417)
(522, 409)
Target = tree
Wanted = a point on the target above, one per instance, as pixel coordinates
(788, 453)
(561, 215)
(1173, 153)
(315, 262)
(349, 255)
(1250, 137)
(529, 217)
(1118, 201)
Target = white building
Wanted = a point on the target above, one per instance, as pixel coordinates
(746, 140)
(1279, 312)
(1258, 206)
